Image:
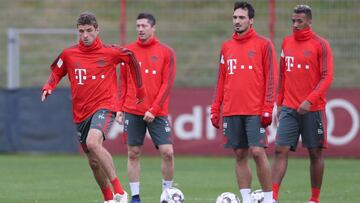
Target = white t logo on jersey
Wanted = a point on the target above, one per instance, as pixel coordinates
(80, 75)
(231, 66)
(289, 62)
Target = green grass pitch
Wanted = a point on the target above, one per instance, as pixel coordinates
(28, 178)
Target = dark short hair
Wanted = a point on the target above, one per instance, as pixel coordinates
(87, 18)
(246, 6)
(303, 9)
(147, 16)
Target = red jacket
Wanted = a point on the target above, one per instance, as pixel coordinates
(306, 70)
(92, 74)
(247, 76)
(158, 68)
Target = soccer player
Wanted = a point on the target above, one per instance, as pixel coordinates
(306, 73)
(246, 90)
(91, 69)
(158, 68)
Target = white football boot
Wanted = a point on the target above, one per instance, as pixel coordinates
(118, 198)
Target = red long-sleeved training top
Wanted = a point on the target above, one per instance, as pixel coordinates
(247, 76)
(92, 74)
(306, 70)
(158, 69)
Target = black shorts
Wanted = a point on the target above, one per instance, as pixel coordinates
(311, 127)
(135, 129)
(244, 132)
(102, 120)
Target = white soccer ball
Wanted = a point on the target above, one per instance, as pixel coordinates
(172, 195)
(227, 197)
(257, 196)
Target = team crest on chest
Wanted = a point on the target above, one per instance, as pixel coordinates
(307, 53)
(101, 62)
(251, 53)
(154, 58)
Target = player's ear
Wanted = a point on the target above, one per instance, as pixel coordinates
(251, 21)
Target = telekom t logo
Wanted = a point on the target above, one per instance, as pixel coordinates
(231, 65)
(80, 75)
(289, 62)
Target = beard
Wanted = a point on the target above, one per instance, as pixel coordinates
(239, 30)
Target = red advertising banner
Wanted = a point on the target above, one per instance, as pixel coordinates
(194, 135)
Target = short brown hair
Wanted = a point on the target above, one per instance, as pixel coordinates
(87, 18)
(303, 9)
(245, 6)
(148, 16)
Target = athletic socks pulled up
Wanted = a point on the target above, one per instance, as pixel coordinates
(107, 193)
(117, 186)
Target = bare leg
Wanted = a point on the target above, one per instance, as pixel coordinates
(316, 167)
(94, 145)
(167, 164)
(280, 163)
(316, 172)
(134, 163)
(263, 168)
(100, 177)
(98, 172)
(279, 168)
(243, 174)
(242, 169)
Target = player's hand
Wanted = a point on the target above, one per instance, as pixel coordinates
(266, 119)
(149, 117)
(119, 117)
(215, 118)
(45, 94)
(140, 95)
(304, 107)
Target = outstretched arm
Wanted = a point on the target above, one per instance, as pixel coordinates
(58, 71)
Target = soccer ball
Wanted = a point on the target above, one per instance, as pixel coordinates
(227, 197)
(172, 195)
(257, 196)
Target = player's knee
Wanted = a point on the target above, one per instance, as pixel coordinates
(281, 152)
(133, 154)
(92, 146)
(167, 155)
(257, 152)
(93, 142)
(315, 155)
(94, 164)
(241, 155)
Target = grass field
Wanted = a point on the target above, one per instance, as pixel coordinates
(67, 178)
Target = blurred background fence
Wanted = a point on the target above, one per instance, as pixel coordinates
(194, 28)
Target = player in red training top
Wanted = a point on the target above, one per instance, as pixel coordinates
(91, 69)
(306, 73)
(246, 90)
(158, 69)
